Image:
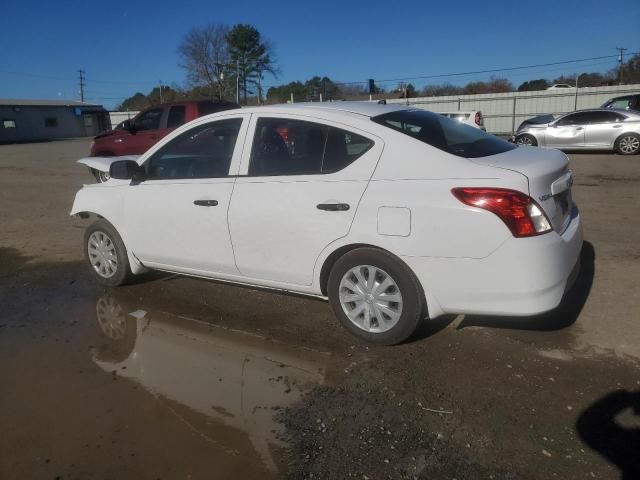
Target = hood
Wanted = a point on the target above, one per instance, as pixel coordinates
(102, 164)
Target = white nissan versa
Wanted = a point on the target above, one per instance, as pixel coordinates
(394, 214)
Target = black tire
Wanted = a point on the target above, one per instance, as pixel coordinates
(627, 144)
(100, 176)
(413, 302)
(526, 139)
(122, 271)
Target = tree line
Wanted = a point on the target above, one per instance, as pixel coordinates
(217, 59)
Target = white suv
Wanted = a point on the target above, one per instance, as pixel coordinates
(392, 213)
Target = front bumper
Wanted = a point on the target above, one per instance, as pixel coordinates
(523, 277)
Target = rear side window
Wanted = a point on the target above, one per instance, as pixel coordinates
(622, 103)
(201, 152)
(295, 147)
(444, 133)
(605, 117)
(207, 107)
(176, 116)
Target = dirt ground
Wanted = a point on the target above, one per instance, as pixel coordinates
(181, 378)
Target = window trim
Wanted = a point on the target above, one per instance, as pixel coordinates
(328, 124)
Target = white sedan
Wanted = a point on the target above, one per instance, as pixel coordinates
(393, 214)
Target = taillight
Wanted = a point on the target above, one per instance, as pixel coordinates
(478, 118)
(520, 213)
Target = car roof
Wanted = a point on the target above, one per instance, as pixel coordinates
(364, 108)
(621, 111)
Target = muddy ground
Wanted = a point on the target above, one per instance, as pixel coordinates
(182, 378)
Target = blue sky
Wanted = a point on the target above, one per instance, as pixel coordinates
(129, 46)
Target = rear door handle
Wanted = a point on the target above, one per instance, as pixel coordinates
(206, 203)
(579, 128)
(333, 207)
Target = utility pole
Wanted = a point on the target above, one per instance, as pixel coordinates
(161, 99)
(238, 82)
(620, 63)
(82, 84)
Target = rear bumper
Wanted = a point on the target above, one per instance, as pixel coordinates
(523, 277)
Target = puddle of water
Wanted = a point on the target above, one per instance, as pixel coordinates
(234, 379)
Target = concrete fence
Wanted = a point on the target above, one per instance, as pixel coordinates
(503, 112)
(117, 117)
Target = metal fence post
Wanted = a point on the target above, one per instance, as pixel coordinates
(513, 118)
(458, 103)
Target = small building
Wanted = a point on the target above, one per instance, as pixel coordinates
(36, 120)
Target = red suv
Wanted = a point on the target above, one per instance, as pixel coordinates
(136, 136)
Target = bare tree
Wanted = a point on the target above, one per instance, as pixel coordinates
(204, 54)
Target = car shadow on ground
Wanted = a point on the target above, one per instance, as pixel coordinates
(562, 317)
(604, 427)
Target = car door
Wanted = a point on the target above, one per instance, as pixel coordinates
(147, 128)
(603, 129)
(177, 218)
(301, 184)
(567, 132)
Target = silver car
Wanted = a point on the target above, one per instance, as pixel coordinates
(593, 129)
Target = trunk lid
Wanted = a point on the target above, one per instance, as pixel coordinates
(548, 176)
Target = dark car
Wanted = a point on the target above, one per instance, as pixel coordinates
(136, 136)
(626, 102)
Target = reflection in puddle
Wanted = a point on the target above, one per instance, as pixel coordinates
(233, 378)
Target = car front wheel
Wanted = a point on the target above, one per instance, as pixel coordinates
(527, 139)
(101, 176)
(106, 254)
(628, 144)
(375, 296)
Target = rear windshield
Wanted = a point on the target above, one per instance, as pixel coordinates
(444, 133)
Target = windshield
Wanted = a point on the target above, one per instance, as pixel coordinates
(444, 133)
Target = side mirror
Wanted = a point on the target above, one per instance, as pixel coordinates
(127, 170)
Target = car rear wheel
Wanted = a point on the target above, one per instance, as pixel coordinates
(106, 254)
(526, 139)
(628, 144)
(375, 296)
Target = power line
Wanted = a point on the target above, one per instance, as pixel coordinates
(477, 72)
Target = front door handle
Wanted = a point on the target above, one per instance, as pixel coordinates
(617, 126)
(206, 203)
(333, 207)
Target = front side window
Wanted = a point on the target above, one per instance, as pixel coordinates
(176, 116)
(149, 120)
(201, 152)
(581, 118)
(294, 147)
(444, 133)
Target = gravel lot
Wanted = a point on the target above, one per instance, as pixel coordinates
(181, 378)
